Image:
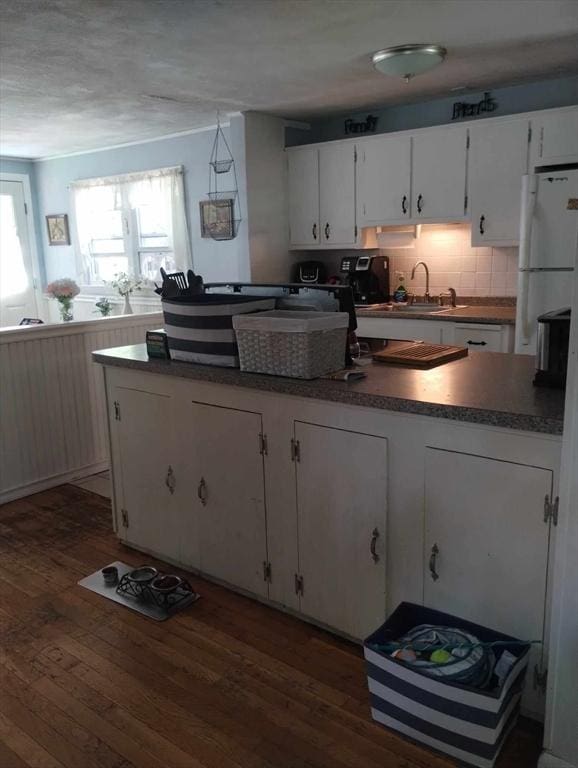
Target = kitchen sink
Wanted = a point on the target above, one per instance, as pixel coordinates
(427, 308)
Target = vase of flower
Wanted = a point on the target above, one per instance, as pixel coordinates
(63, 291)
(124, 285)
(104, 306)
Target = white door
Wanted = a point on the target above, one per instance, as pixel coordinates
(224, 501)
(149, 481)
(341, 507)
(17, 291)
(486, 519)
(303, 169)
(337, 194)
(384, 180)
(556, 138)
(439, 174)
(497, 161)
(554, 228)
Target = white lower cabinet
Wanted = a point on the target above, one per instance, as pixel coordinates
(399, 328)
(486, 546)
(341, 480)
(334, 511)
(223, 494)
(148, 514)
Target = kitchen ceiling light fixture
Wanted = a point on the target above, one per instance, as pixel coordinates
(407, 61)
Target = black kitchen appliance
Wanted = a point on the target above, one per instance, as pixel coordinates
(310, 272)
(368, 277)
(553, 340)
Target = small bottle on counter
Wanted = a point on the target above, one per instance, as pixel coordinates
(400, 293)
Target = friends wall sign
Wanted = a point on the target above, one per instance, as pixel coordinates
(464, 109)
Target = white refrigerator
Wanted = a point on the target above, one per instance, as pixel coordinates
(548, 235)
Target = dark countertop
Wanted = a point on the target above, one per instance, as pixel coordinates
(470, 314)
(484, 388)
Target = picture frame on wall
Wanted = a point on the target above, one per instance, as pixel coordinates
(58, 230)
(217, 220)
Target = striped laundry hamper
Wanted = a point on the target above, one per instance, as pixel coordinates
(466, 721)
(200, 328)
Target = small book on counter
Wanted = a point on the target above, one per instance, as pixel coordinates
(346, 374)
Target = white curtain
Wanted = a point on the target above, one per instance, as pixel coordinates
(161, 189)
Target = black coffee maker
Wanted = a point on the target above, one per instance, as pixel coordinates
(368, 276)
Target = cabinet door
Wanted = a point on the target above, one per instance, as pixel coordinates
(555, 137)
(383, 182)
(337, 194)
(303, 170)
(394, 328)
(224, 511)
(147, 473)
(498, 159)
(341, 506)
(439, 174)
(486, 518)
(478, 338)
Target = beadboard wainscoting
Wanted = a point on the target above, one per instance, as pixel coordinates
(52, 408)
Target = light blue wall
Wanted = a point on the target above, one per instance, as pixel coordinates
(213, 260)
(547, 94)
(28, 168)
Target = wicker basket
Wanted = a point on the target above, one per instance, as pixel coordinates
(302, 345)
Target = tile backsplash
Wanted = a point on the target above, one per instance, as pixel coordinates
(454, 263)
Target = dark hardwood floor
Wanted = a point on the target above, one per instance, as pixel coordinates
(85, 683)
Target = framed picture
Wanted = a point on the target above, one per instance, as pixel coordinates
(217, 219)
(57, 226)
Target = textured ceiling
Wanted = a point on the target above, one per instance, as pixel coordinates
(83, 74)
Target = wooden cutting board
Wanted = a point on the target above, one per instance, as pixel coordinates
(420, 354)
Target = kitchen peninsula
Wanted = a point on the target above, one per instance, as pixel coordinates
(339, 500)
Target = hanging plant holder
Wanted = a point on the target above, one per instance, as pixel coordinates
(222, 166)
(221, 213)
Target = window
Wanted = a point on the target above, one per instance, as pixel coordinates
(133, 223)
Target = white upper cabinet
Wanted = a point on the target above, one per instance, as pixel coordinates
(303, 171)
(555, 137)
(439, 174)
(337, 194)
(384, 180)
(498, 159)
(322, 196)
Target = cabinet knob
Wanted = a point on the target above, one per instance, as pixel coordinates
(404, 204)
(419, 203)
(202, 492)
(314, 231)
(327, 230)
(373, 544)
(432, 562)
(170, 481)
(482, 224)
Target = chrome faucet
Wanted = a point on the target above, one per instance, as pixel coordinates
(424, 265)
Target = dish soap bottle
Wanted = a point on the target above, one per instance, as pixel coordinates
(400, 293)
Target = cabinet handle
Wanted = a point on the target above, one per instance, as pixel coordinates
(432, 562)
(404, 204)
(372, 545)
(170, 480)
(327, 230)
(476, 343)
(202, 492)
(419, 203)
(314, 231)
(482, 225)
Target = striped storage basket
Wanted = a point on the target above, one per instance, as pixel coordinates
(200, 328)
(465, 722)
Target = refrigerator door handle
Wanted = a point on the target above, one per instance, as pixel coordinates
(529, 190)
